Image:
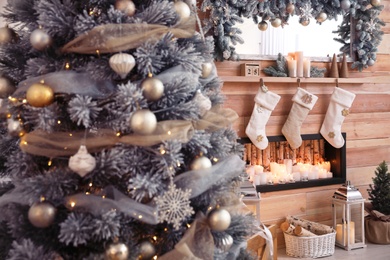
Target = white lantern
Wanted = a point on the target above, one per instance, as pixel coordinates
(348, 217)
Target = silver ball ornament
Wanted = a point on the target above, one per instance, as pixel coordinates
(122, 63)
(375, 2)
(6, 87)
(125, 6)
(147, 250)
(143, 122)
(117, 251)
(207, 68)
(345, 4)
(40, 40)
(183, 10)
(201, 163)
(7, 35)
(42, 214)
(263, 26)
(153, 88)
(322, 17)
(225, 243)
(370, 62)
(290, 8)
(276, 22)
(219, 219)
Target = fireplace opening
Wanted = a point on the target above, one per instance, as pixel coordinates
(278, 167)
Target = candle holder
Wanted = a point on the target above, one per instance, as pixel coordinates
(348, 217)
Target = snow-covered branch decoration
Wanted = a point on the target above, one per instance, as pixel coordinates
(362, 44)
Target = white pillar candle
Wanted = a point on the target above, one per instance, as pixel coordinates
(311, 175)
(329, 174)
(342, 228)
(306, 68)
(299, 58)
(292, 68)
(257, 179)
(304, 176)
(296, 176)
(263, 178)
(258, 169)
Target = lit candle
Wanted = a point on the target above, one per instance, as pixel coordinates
(299, 58)
(329, 174)
(296, 176)
(263, 178)
(292, 68)
(306, 68)
(258, 169)
(342, 229)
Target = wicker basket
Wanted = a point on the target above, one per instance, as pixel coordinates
(314, 247)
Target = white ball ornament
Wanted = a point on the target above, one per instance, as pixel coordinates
(147, 250)
(117, 251)
(42, 214)
(82, 162)
(143, 122)
(201, 163)
(125, 6)
(207, 68)
(153, 88)
(219, 219)
(183, 10)
(322, 17)
(122, 63)
(40, 40)
(276, 22)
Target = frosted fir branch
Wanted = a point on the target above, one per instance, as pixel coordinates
(199, 143)
(83, 23)
(220, 145)
(21, 12)
(76, 230)
(83, 110)
(21, 165)
(27, 250)
(106, 226)
(42, 65)
(98, 68)
(170, 160)
(144, 186)
(42, 118)
(159, 12)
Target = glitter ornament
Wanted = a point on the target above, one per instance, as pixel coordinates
(6, 87)
(322, 17)
(7, 35)
(152, 88)
(183, 10)
(82, 162)
(147, 250)
(125, 6)
(225, 243)
(201, 163)
(40, 40)
(42, 214)
(117, 251)
(122, 63)
(39, 95)
(207, 68)
(345, 4)
(263, 26)
(276, 22)
(290, 8)
(143, 122)
(375, 2)
(219, 219)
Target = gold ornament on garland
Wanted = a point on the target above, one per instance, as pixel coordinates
(183, 10)
(143, 122)
(152, 88)
(263, 26)
(117, 251)
(42, 214)
(201, 163)
(322, 17)
(7, 35)
(39, 95)
(207, 68)
(6, 87)
(219, 219)
(290, 8)
(40, 40)
(276, 22)
(147, 250)
(122, 63)
(125, 6)
(375, 2)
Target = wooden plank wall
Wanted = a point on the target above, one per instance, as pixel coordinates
(367, 128)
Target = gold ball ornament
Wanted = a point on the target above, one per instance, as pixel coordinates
(7, 35)
(375, 2)
(322, 17)
(143, 122)
(42, 214)
(153, 88)
(183, 10)
(207, 68)
(276, 22)
(304, 21)
(39, 95)
(6, 87)
(225, 243)
(40, 40)
(290, 8)
(122, 63)
(82, 162)
(117, 251)
(263, 26)
(125, 6)
(201, 163)
(147, 250)
(219, 219)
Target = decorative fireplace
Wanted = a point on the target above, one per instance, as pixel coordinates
(315, 150)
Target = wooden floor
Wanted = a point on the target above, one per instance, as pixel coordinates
(371, 252)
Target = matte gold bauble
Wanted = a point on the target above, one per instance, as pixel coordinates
(276, 22)
(147, 250)
(6, 87)
(322, 17)
(290, 8)
(7, 35)
(117, 251)
(40, 40)
(39, 95)
(201, 163)
(122, 63)
(125, 6)
(219, 219)
(183, 10)
(143, 122)
(304, 21)
(207, 68)
(152, 88)
(42, 214)
(263, 26)
(375, 2)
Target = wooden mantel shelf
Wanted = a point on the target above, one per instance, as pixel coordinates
(294, 80)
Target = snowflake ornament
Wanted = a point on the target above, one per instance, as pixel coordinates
(174, 206)
(306, 11)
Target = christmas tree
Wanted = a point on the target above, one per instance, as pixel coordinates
(379, 191)
(119, 146)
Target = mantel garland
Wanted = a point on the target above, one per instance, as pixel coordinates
(223, 16)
